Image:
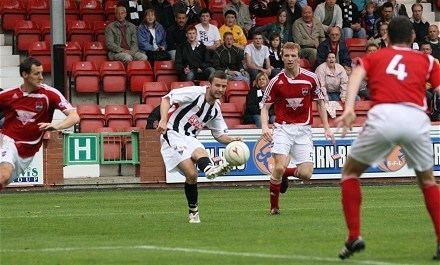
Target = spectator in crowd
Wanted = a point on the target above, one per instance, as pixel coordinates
(275, 54)
(337, 46)
(164, 12)
(333, 78)
(419, 24)
(192, 9)
(329, 14)
(294, 10)
(381, 39)
(152, 38)
(387, 12)
(253, 99)
(399, 9)
(229, 58)
(434, 40)
(369, 18)
(264, 11)
(361, 4)
(432, 99)
(231, 26)
(176, 34)
(121, 38)
(414, 45)
(379, 3)
(257, 57)
(280, 26)
(208, 34)
(192, 59)
(308, 33)
(135, 11)
(243, 16)
(351, 20)
(364, 93)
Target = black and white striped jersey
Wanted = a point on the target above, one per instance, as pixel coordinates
(190, 112)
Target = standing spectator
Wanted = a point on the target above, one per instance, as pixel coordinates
(335, 45)
(333, 78)
(252, 113)
(164, 12)
(229, 58)
(208, 34)
(121, 38)
(292, 92)
(192, 9)
(381, 39)
(308, 33)
(280, 27)
(351, 20)
(231, 26)
(329, 14)
(434, 40)
(275, 54)
(420, 25)
(294, 10)
(176, 34)
(29, 109)
(257, 57)
(192, 59)
(369, 18)
(387, 12)
(399, 9)
(152, 38)
(242, 14)
(135, 11)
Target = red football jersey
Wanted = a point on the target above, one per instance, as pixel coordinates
(292, 98)
(23, 111)
(399, 75)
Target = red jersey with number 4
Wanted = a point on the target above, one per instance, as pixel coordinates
(23, 111)
(399, 75)
(293, 97)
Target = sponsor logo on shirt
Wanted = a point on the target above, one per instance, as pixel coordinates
(294, 103)
(25, 116)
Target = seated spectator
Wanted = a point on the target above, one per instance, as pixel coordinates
(253, 99)
(420, 25)
(369, 19)
(329, 14)
(351, 20)
(257, 57)
(121, 38)
(399, 9)
(279, 26)
(414, 45)
(135, 11)
(192, 59)
(381, 39)
(432, 98)
(229, 58)
(208, 34)
(176, 34)
(363, 93)
(434, 39)
(387, 12)
(333, 77)
(242, 14)
(152, 38)
(191, 8)
(264, 11)
(294, 10)
(308, 33)
(335, 45)
(164, 12)
(276, 61)
(231, 26)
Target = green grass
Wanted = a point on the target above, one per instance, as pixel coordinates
(150, 227)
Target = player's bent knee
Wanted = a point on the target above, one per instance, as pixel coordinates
(6, 170)
(191, 178)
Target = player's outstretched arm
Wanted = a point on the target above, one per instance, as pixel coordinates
(324, 118)
(264, 115)
(165, 106)
(71, 119)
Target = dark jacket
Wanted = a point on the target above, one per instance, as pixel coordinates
(228, 58)
(175, 37)
(275, 61)
(191, 11)
(164, 13)
(343, 56)
(197, 58)
(135, 21)
(253, 105)
(350, 14)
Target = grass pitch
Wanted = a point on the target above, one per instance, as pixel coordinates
(150, 227)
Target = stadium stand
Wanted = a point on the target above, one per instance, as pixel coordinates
(152, 92)
(139, 72)
(180, 84)
(91, 10)
(140, 114)
(95, 52)
(26, 32)
(165, 71)
(41, 50)
(11, 11)
(38, 10)
(73, 55)
(92, 118)
(118, 116)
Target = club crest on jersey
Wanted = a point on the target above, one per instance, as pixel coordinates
(294, 103)
(305, 91)
(38, 106)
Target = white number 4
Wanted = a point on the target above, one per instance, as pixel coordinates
(396, 68)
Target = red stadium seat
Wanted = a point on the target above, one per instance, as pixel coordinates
(244, 126)
(113, 76)
(91, 10)
(118, 116)
(95, 52)
(216, 6)
(73, 53)
(180, 84)
(26, 32)
(99, 30)
(140, 114)
(139, 72)
(38, 10)
(362, 107)
(11, 12)
(304, 63)
(214, 22)
(45, 30)
(85, 77)
(91, 118)
(356, 44)
(236, 88)
(231, 114)
(153, 92)
(219, 18)
(357, 54)
(41, 50)
(71, 10)
(239, 101)
(80, 31)
(112, 144)
(109, 9)
(165, 71)
(204, 83)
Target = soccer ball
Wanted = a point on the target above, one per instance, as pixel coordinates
(237, 153)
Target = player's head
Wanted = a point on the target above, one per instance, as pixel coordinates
(400, 31)
(290, 55)
(31, 70)
(218, 83)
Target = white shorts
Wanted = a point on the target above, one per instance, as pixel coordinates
(293, 140)
(389, 125)
(176, 148)
(9, 154)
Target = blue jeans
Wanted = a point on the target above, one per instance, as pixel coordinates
(349, 33)
(257, 120)
(334, 96)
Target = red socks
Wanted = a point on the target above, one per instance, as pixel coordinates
(274, 189)
(432, 202)
(351, 204)
(290, 171)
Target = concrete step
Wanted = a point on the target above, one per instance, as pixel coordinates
(9, 82)
(5, 50)
(9, 71)
(2, 39)
(9, 60)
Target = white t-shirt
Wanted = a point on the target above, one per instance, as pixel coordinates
(258, 56)
(208, 37)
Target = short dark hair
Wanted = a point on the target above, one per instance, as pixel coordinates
(217, 74)
(400, 30)
(387, 4)
(371, 44)
(204, 11)
(27, 63)
(227, 33)
(425, 43)
(180, 11)
(191, 28)
(257, 33)
(231, 12)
